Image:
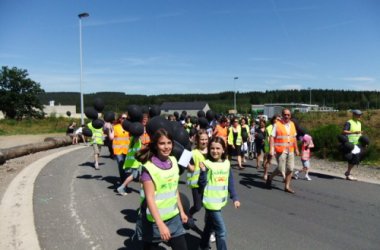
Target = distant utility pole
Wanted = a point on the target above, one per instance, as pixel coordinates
(235, 78)
(310, 95)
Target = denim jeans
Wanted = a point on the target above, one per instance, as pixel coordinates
(214, 222)
(120, 162)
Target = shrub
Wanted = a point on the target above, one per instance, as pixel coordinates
(325, 141)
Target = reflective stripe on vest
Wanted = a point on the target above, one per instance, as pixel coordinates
(192, 178)
(239, 139)
(97, 134)
(355, 126)
(145, 139)
(284, 140)
(216, 191)
(166, 186)
(130, 161)
(120, 141)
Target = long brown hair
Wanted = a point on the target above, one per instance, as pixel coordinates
(145, 154)
(221, 141)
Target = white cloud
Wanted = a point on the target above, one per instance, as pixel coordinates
(359, 79)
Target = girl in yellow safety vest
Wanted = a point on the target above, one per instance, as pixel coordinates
(161, 207)
(198, 155)
(217, 181)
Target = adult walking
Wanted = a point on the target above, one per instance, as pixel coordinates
(283, 144)
(268, 134)
(353, 130)
(235, 141)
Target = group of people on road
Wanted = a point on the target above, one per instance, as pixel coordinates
(149, 160)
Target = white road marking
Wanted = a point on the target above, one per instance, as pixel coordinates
(17, 229)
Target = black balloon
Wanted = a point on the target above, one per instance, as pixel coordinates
(68, 113)
(348, 146)
(97, 123)
(91, 113)
(364, 140)
(181, 136)
(193, 120)
(342, 138)
(98, 104)
(203, 123)
(210, 115)
(155, 110)
(134, 113)
(87, 132)
(136, 129)
(182, 117)
(177, 150)
(109, 116)
(145, 109)
(125, 124)
(201, 113)
(156, 123)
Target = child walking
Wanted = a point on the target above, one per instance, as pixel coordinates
(161, 208)
(198, 155)
(307, 144)
(217, 181)
(131, 165)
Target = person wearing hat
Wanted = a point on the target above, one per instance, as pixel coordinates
(353, 130)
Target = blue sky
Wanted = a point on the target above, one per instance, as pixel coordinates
(194, 46)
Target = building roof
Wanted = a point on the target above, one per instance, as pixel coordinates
(183, 105)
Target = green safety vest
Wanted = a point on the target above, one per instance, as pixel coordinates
(354, 127)
(192, 178)
(268, 132)
(230, 139)
(215, 194)
(166, 186)
(130, 161)
(97, 134)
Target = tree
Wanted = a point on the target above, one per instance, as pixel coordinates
(19, 94)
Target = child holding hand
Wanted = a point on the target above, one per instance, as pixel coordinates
(217, 179)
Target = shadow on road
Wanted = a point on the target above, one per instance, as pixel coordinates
(325, 176)
(252, 180)
(130, 215)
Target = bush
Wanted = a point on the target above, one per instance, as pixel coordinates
(325, 141)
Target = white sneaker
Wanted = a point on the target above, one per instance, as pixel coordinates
(97, 166)
(212, 237)
(307, 177)
(121, 190)
(295, 176)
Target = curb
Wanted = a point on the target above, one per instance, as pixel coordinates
(17, 229)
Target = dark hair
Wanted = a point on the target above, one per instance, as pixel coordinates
(245, 119)
(221, 141)
(146, 153)
(274, 118)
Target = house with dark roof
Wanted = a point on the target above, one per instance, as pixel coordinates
(192, 108)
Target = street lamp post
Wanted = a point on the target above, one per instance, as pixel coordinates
(82, 15)
(235, 78)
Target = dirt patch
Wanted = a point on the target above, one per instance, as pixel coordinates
(17, 140)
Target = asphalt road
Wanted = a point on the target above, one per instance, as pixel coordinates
(76, 207)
